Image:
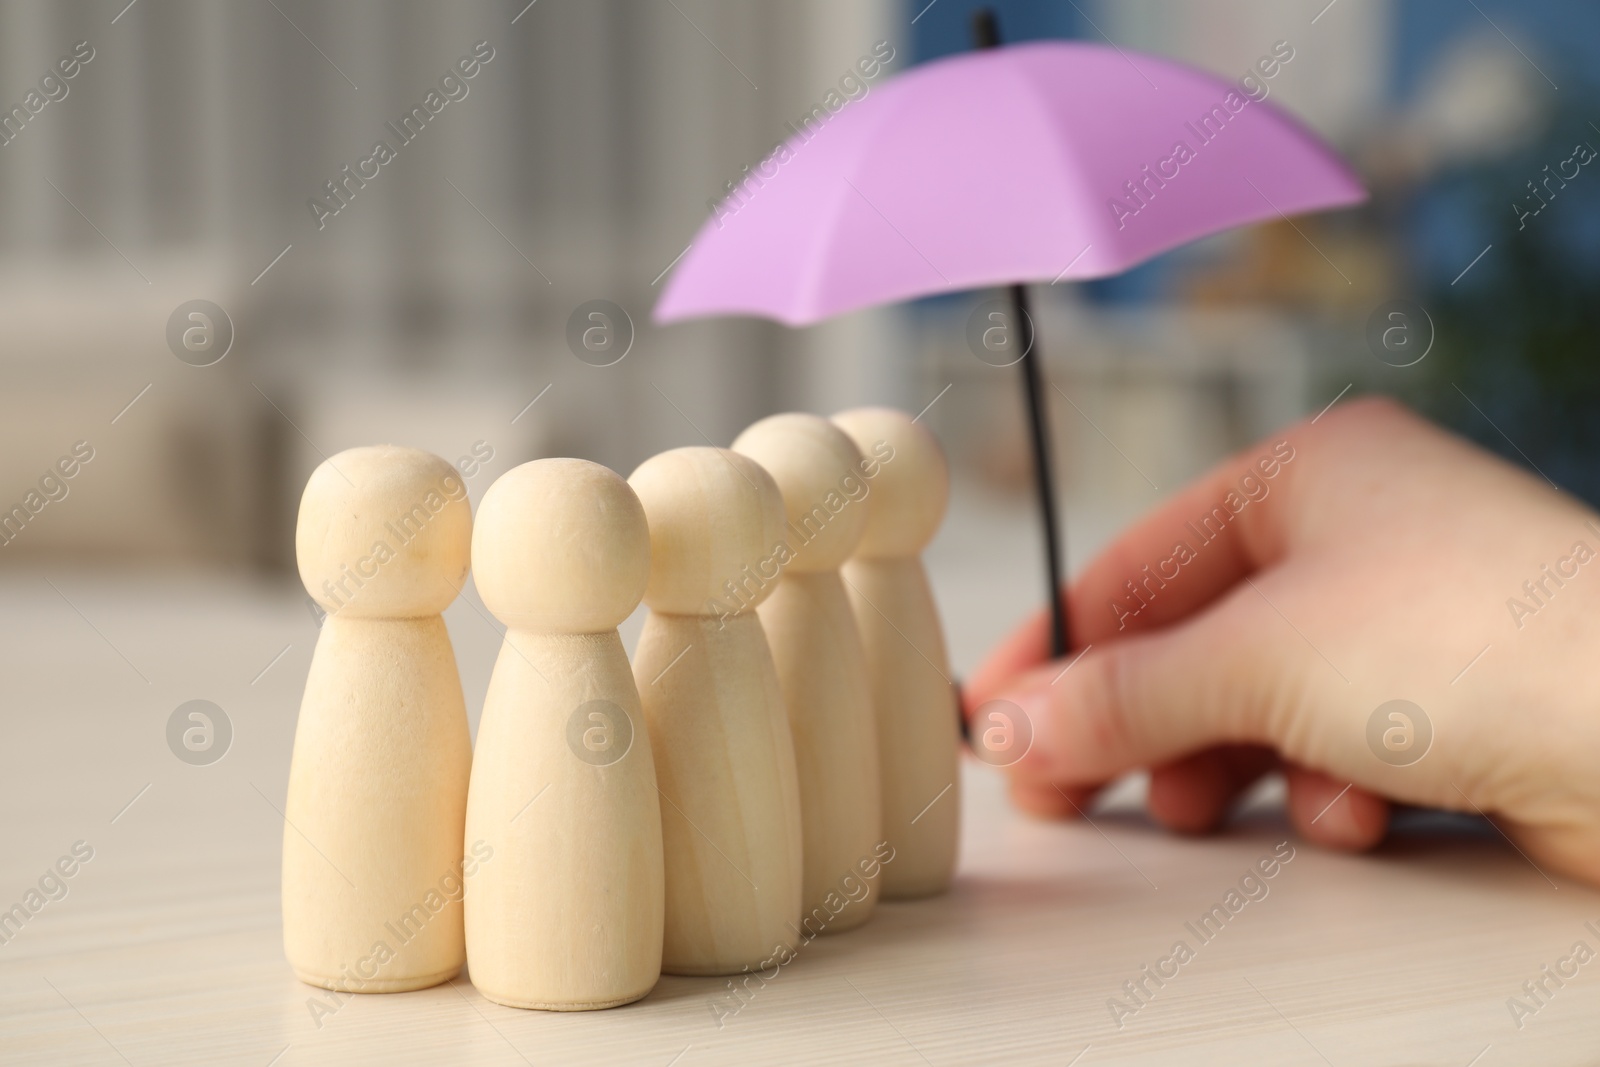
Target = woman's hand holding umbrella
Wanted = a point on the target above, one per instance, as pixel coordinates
(1382, 565)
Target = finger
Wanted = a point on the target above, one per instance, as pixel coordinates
(1226, 677)
(1192, 548)
(1025, 647)
(1193, 795)
(1052, 802)
(1167, 566)
(1333, 813)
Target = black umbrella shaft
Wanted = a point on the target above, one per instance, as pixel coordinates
(985, 28)
(1033, 390)
(986, 34)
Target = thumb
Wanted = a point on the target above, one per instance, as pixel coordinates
(1223, 677)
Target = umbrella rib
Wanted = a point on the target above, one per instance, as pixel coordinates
(822, 238)
(896, 229)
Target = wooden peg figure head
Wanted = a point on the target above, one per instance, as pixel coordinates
(911, 488)
(384, 532)
(818, 471)
(716, 518)
(561, 546)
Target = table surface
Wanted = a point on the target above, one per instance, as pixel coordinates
(166, 948)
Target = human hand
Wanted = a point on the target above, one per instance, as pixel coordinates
(1382, 559)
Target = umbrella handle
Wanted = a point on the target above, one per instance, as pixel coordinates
(1032, 386)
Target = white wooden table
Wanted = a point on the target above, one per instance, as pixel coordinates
(166, 947)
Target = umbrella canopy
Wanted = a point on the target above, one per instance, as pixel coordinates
(1049, 160)
(1038, 161)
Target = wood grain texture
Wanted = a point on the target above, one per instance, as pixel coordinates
(825, 691)
(377, 786)
(821, 668)
(567, 913)
(902, 639)
(914, 705)
(377, 798)
(730, 811)
(724, 756)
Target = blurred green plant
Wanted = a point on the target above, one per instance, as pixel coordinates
(1516, 361)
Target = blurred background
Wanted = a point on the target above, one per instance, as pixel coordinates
(201, 298)
(199, 150)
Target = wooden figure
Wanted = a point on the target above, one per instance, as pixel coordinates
(821, 668)
(918, 733)
(567, 916)
(730, 816)
(378, 781)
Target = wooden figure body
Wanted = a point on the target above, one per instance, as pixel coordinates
(821, 668)
(725, 764)
(567, 916)
(915, 701)
(372, 843)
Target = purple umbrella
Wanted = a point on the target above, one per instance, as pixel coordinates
(1038, 161)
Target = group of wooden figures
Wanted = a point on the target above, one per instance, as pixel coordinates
(781, 753)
